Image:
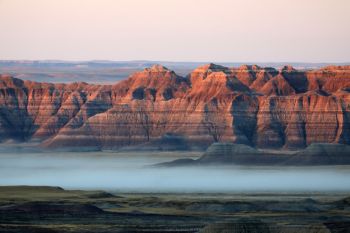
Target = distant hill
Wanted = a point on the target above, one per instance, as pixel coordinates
(238, 154)
(107, 72)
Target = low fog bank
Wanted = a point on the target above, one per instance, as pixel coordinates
(128, 172)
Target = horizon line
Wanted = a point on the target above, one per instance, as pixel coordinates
(166, 61)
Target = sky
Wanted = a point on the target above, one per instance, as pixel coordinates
(176, 30)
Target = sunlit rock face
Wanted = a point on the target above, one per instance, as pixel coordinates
(260, 107)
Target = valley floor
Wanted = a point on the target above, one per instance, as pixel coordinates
(53, 209)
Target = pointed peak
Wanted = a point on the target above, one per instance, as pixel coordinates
(211, 67)
(10, 81)
(287, 68)
(6, 76)
(157, 68)
(249, 68)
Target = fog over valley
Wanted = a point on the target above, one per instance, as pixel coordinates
(131, 172)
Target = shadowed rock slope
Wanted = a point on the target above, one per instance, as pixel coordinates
(261, 107)
(238, 154)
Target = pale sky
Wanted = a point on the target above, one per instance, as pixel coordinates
(176, 30)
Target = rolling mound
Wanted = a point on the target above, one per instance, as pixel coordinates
(322, 154)
(238, 154)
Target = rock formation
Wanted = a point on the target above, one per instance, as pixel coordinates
(227, 153)
(322, 154)
(260, 107)
(238, 154)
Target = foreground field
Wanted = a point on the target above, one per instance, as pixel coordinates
(53, 209)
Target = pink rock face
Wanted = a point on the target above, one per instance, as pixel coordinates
(262, 107)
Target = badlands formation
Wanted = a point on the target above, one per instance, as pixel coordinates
(259, 107)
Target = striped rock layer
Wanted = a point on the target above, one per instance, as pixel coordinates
(261, 107)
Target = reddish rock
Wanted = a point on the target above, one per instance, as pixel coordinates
(262, 107)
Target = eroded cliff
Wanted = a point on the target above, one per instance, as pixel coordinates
(262, 107)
